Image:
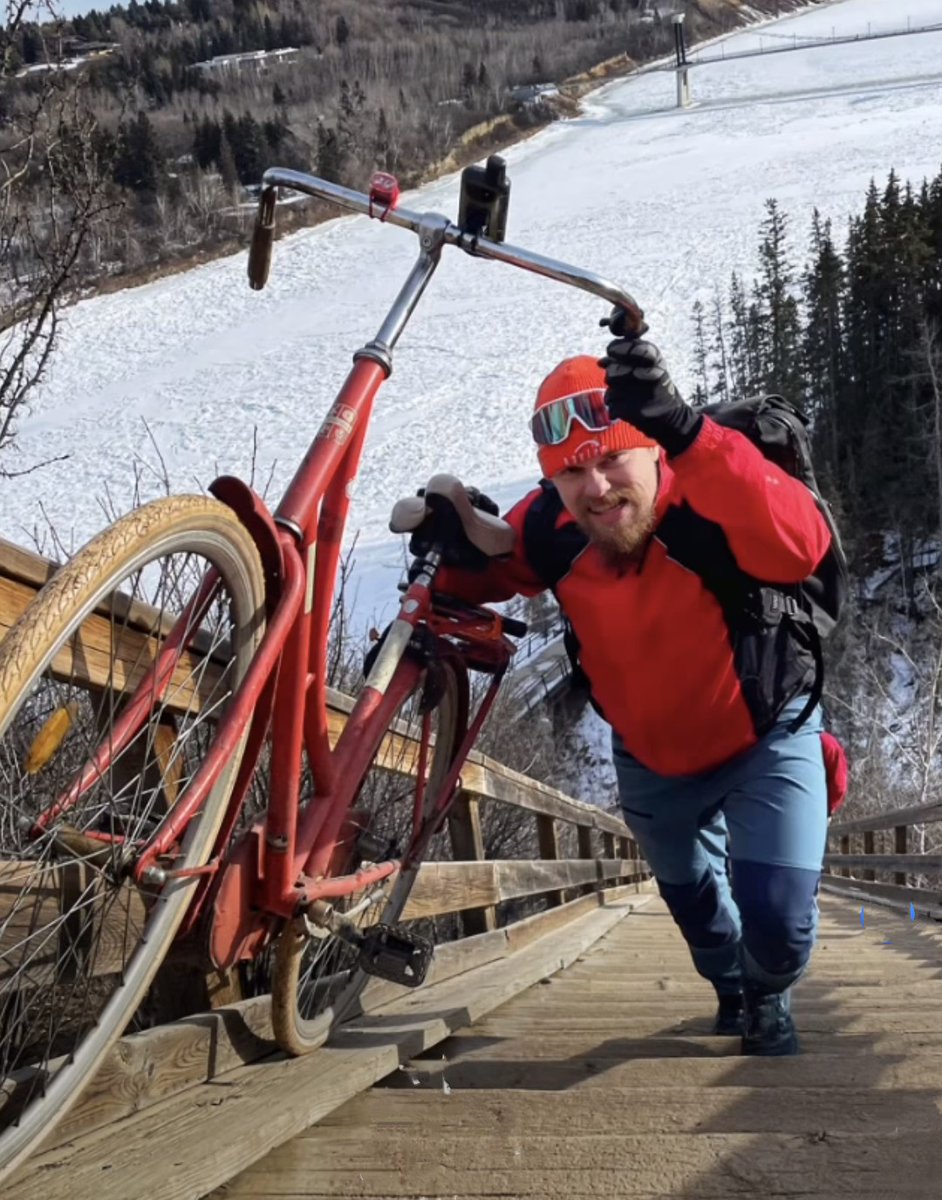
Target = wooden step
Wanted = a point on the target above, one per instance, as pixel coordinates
(666, 1042)
(732, 1109)
(527, 1162)
(467, 1061)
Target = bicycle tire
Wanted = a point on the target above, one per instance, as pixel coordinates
(79, 944)
(305, 1008)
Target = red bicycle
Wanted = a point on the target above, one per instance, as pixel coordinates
(179, 660)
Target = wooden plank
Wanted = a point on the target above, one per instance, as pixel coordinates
(549, 1063)
(584, 845)
(376, 1122)
(929, 863)
(857, 1028)
(527, 1163)
(98, 1165)
(25, 566)
(547, 839)
(146, 1068)
(94, 659)
(869, 849)
(917, 814)
(23, 919)
(491, 780)
(925, 903)
(900, 846)
(21, 567)
(443, 887)
(467, 844)
(497, 782)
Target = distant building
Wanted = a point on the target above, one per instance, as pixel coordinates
(73, 53)
(533, 93)
(258, 61)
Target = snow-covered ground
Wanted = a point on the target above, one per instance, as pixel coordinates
(666, 202)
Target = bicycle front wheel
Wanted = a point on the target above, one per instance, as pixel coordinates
(79, 941)
(315, 979)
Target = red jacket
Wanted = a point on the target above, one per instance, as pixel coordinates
(654, 641)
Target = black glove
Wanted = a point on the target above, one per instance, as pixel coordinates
(641, 392)
(445, 526)
(480, 500)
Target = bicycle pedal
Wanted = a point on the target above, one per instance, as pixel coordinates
(391, 954)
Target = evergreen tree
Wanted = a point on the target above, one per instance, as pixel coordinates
(744, 339)
(468, 81)
(207, 143)
(247, 142)
(823, 345)
(137, 161)
(776, 309)
(719, 389)
(32, 48)
(701, 390)
(329, 155)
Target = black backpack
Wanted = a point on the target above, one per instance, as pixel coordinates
(776, 630)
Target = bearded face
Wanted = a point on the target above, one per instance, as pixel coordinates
(612, 499)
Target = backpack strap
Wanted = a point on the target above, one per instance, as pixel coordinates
(752, 609)
(550, 552)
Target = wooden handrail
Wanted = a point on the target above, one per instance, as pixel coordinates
(919, 814)
(606, 859)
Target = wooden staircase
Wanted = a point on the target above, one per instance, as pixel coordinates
(603, 1081)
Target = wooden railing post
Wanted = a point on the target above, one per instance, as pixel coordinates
(467, 845)
(869, 848)
(630, 851)
(548, 842)
(900, 846)
(845, 849)
(584, 835)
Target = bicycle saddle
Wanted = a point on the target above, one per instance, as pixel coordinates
(492, 536)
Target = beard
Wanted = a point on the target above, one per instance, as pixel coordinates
(622, 543)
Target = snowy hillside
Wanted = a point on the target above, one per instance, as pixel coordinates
(665, 202)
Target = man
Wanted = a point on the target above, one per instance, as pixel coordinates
(726, 801)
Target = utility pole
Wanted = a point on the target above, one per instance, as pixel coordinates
(683, 71)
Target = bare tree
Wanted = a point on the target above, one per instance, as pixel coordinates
(52, 193)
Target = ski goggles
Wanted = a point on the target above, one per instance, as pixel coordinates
(551, 424)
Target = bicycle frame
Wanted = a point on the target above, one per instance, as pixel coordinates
(282, 865)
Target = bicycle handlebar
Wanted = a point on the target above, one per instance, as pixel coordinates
(425, 226)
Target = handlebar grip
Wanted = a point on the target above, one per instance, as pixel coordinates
(260, 255)
(263, 235)
(514, 627)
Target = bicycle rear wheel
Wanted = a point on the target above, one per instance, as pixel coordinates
(79, 942)
(316, 980)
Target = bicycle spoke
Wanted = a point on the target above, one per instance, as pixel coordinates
(79, 940)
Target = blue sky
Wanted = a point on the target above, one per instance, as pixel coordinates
(74, 8)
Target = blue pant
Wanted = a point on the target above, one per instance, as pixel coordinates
(737, 852)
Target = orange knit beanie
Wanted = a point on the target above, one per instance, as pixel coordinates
(574, 375)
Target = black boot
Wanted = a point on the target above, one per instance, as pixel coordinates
(768, 1026)
(729, 1016)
